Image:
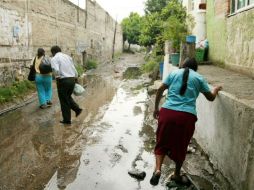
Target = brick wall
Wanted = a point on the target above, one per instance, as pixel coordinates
(221, 7)
(29, 24)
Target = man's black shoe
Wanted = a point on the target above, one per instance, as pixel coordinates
(78, 112)
(65, 122)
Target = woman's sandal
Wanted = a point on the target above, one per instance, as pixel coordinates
(181, 180)
(155, 178)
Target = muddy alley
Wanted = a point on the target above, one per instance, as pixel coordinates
(114, 134)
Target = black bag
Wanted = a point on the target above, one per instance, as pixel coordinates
(45, 66)
(32, 72)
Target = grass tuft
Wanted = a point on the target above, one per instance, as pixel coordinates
(17, 90)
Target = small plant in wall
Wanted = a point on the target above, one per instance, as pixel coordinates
(91, 64)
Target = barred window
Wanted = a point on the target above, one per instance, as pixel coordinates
(238, 5)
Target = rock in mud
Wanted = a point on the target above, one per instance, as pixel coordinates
(137, 174)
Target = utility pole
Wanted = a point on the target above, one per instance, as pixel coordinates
(114, 40)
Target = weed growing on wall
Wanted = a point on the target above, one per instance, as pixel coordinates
(91, 64)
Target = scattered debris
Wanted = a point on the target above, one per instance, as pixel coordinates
(191, 149)
(122, 148)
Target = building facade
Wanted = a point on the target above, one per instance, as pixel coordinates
(198, 12)
(230, 26)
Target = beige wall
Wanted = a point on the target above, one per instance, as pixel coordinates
(44, 23)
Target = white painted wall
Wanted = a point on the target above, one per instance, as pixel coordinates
(225, 130)
(199, 16)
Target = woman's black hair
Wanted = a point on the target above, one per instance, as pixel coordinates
(40, 52)
(55, 49)
(188, 64)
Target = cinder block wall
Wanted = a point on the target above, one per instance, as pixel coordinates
(225, 130)
(30, 24)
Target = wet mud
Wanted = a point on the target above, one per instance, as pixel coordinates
(114, 134)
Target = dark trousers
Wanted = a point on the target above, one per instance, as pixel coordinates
(65, 88)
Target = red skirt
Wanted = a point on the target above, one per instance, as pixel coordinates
(175, 129)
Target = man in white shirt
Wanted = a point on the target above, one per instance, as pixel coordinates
(66, 75)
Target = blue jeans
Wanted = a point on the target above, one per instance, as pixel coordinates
(44, 88)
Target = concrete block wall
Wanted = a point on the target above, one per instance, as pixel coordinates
(225, 130)
(44, 23)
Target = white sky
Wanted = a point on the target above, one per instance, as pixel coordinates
(117, 8)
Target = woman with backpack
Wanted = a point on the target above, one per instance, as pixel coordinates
(43, 79)
(177, 117)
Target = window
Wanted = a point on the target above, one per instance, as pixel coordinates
(238, 5)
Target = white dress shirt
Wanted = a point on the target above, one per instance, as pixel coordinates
(63, 66)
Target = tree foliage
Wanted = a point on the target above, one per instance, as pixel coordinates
(153, 6)
(174, 31)
(175, 23)
(150, 29)
(131, 27)
(166, 20)
(174, 9)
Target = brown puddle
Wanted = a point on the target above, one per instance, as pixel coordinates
(113, 147)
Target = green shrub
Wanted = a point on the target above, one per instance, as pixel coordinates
(150, 66)
(17, 90)
(91, 64)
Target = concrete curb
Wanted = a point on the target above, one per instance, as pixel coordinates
(17, 106)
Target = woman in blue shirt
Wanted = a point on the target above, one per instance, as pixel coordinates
(177, 117)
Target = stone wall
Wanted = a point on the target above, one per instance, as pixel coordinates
(27, 25)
